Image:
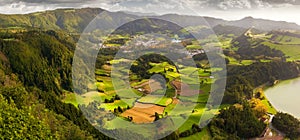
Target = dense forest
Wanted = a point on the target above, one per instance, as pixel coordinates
(236, 122)
(34, 72)
(287, 124)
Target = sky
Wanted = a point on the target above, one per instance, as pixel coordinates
(280, 10)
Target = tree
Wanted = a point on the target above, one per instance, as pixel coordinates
(241, 122)
(287, 124)
(259, 95)
(156, 115)
(20, 124)
(120, 109)
(117, 97)
(258, 107)
(195, 128)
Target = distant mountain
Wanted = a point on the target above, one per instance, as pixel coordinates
(186, 21)
(76, 20)
(227, 30)
(263, 24)
(140, 14)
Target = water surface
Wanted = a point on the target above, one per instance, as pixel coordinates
(285, 96)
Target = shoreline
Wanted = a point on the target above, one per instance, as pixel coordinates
(264, 88)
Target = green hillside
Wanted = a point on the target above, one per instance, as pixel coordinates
(34, 72)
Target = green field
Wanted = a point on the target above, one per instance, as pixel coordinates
(120, 123)
(118, 103)
(189, 110)
(270, 108)
(73, 99)
(203, 135)
(192, 47)
(289, 50)
(154, 99)
(202, 98)
(287, 40)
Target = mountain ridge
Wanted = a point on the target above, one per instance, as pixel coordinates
(75, 20)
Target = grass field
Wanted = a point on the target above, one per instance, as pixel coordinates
(87, 98)
(265, 61)
(129, 93)
(143, 113)
(289, 50)
(101, 71)
(225, 42)
(120, 123)
(233, 61)
(247, 62)
(188, 70)
(154, 99)
(270, 108)
(287, 40)
(195, 98)
(116, 61)
(138, 83)
(159, 67)
(203, 135)
(194, 118)
(74, 99)
(192, 47)
(116, 104)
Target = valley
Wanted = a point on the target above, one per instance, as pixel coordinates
(152, 79)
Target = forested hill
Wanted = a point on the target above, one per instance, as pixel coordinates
(75, 20)
(41, 59)
(66, 19)
(35, 70)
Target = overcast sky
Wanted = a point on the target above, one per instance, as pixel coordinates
(286, 10)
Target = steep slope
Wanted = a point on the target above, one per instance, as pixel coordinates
(38, 59)
(35, 71)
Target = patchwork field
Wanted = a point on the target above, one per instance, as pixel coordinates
(184, 89)
(149, 98)
(143, 113)
(149, 86)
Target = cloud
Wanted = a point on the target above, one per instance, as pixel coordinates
(151, 6)
(240, 4)
(27, 6)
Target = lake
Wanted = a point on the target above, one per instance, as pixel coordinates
(285, 96)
